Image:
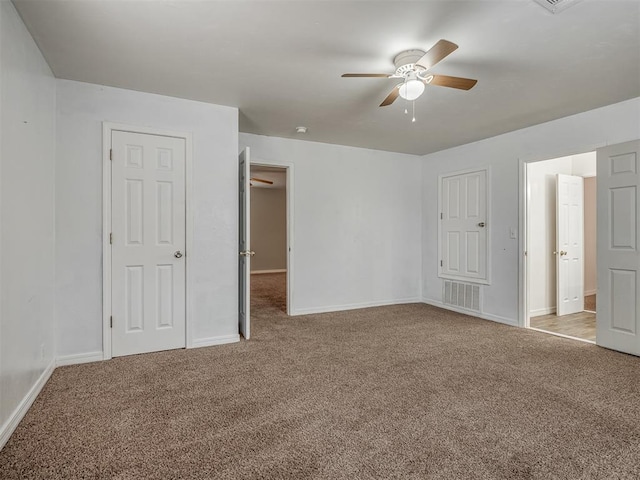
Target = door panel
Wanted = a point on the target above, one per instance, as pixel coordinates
(570, 244)
(244, 262)
(463, 230)
(618, 305)
(148, 226)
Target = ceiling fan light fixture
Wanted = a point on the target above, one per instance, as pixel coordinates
(411, 89)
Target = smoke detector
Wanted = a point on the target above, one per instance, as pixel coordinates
(556, 6)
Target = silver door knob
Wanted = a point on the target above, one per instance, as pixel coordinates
(481, 224)
(562, 253)
(178, 254)
(248, 253)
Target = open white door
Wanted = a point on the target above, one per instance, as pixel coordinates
(244, 263)
(569, 244)
(618, 301)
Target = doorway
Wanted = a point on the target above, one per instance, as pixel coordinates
(268, 219)
(266, 267)
(561, 246)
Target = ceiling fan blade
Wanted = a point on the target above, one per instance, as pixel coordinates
(365, 75)
(452, 82)
(439, 51)
(261, 180)
(391, 97)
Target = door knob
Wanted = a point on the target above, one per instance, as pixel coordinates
(562, 253)
(178, 254)
(481, 224)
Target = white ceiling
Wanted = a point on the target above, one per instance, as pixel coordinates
(280, 62)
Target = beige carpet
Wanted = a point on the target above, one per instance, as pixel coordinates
(398, 392)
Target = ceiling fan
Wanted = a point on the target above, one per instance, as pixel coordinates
(259, 180)
(412, 66)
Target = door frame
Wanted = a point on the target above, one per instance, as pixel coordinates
(289, 169)
(107, 129)
(523, 230)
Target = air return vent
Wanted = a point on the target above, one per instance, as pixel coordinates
(461, 295)
(556, 6)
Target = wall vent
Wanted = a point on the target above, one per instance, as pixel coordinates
(556, 6)
(461, 295)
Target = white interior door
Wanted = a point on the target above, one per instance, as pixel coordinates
(244, 263)
(148, 243)
(569, 244)
(463, 226)
(618, 219)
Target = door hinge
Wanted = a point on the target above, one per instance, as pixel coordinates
(441, 216)
(111, 154)
(111, 322)
(111, 239)
(441, 263)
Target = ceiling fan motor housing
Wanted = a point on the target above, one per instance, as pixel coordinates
(405, 62)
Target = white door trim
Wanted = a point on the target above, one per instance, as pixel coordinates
(291, 310)
(107, 129)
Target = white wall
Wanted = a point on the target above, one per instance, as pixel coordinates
(571, 135)
(541, 177)
(357, 217)
(27, 149)
(268, 228)
(584, 165)
(81, 110)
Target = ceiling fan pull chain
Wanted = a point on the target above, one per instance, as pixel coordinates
(406, 102)
(414, 111)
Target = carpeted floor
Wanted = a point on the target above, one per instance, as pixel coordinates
(407, 391)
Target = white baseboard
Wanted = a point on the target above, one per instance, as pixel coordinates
(542, 311)
(590, 292)
(79, 358)
(352, 306)
(21, 410)
(221, 340)
(484, 316)
(258, 272)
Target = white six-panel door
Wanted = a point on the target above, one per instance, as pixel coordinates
(618, 211)
(569, 244)
(463, 226)
(148, 243)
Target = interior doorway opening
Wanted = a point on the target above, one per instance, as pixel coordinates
(560, 218)
(269, 240)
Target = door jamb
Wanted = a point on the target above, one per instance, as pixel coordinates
(107, 129)
(290, 227)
